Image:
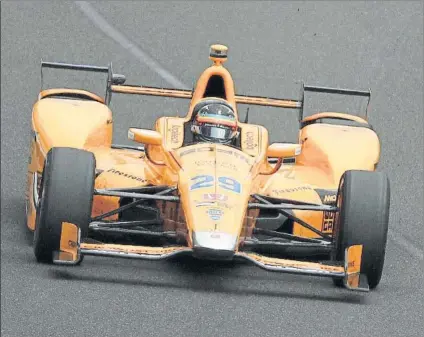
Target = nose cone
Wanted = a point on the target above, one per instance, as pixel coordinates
(214, 245)
(214, 185)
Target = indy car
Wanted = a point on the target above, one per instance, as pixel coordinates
(207, 184)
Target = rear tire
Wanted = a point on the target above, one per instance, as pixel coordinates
(364, 202)
(66, 196)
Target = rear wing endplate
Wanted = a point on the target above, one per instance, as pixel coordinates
(339, 91)
(112, 79)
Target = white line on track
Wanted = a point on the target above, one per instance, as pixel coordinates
(118, 37)
(143, 57)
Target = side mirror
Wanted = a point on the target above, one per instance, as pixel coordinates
(145, 136)
(283, 150)
(118, 79)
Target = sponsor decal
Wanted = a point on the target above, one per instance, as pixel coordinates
(292, 190)
(126, 175)
(204, 162)
(215, 235)
(205, 203)
(238, 154)
(250, 142)
(241, 156)
(215, 197)
(229, 166)
(328, 222)
(224, 205)
(175, 134)
(295, 264)
(220, 204)
(330, 198)
(224, 165)
(327, 196)
(224, 151)
(215, 214)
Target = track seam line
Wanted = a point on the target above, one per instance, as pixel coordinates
(121, 39)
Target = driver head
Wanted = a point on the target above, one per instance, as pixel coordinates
(215, 122)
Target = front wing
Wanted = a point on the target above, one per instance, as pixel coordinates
(72, 250)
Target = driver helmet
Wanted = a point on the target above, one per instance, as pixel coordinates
(215, 122)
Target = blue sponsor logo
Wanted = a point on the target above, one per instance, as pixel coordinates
(215, 214)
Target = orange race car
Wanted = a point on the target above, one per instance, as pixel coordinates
(207, 184)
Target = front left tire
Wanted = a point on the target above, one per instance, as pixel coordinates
(67, 187)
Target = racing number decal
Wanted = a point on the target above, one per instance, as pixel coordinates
(224, 182)
(202, 181)
(229, 184)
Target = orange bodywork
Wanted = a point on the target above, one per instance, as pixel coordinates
(214, 181)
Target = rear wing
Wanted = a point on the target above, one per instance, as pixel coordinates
(182, 93)
(115, 84)
(245, 99)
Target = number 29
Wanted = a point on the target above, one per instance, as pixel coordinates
(227, 183)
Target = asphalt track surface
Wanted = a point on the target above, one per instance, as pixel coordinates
(272, 46)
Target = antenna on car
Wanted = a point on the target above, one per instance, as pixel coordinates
(246, 119)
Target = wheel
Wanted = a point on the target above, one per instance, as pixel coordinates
(364, 202)
(66, 196)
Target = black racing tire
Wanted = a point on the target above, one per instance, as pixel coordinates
(364, 202)
(66, 196)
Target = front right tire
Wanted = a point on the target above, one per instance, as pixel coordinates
(364, 203)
